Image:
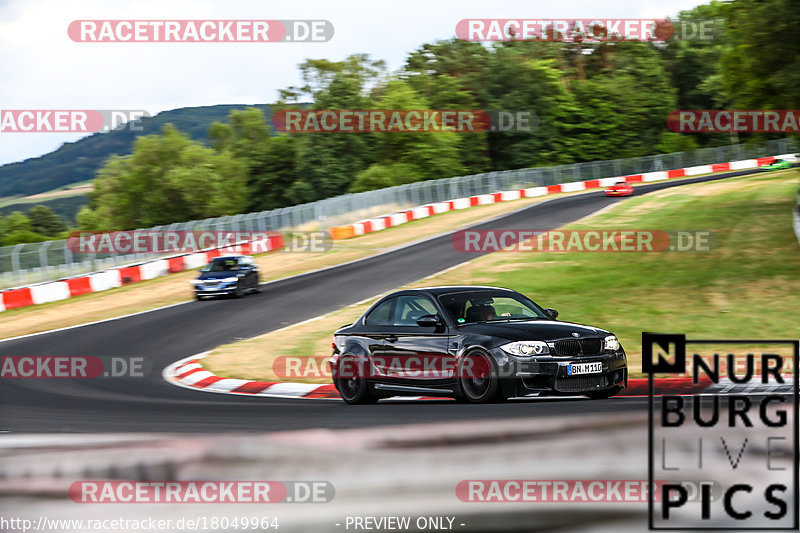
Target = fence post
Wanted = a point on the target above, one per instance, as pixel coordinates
(43, 253)
(68, 259)
(15, 257)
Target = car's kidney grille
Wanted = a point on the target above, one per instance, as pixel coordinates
(568, 348)
(581, 383)
(571, 348)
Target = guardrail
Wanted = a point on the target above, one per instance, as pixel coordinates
(26, 264)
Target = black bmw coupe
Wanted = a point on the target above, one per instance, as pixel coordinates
(476, 344)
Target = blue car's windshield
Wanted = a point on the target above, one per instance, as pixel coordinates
(222, 265)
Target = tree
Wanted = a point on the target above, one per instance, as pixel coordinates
(449, 75)
(271, 161)
(761, 58)
(427, 155)
(327, 163)
(382, 175)
(518, 80)
(168, 178)
(694, 68)
(44, 221)
(16, 221)
(16, 229)
(319, 75)
(87, 219)
(622, 107)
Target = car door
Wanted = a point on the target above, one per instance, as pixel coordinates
(413, 354)
(247, 264)
(373, 332)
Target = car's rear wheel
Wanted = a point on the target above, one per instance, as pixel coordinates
(477, 378)
(605, 394)
(351, 383)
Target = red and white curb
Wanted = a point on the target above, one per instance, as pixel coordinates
(379, 223)
(191, 374)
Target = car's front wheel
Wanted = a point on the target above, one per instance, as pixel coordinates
(351, 383)
(605, 394)
(477, 378)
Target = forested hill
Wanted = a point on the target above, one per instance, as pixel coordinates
(78, 161)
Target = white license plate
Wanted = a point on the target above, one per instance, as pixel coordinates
(584, 368)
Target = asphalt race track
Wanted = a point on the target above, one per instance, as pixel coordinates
(150, 404)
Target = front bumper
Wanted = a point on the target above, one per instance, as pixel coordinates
(215, 290)
(545, 376)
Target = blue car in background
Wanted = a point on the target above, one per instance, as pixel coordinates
(233, 275)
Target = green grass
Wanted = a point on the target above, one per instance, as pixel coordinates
(24, 200)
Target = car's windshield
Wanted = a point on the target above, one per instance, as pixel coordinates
(222, 265)
(466, 307)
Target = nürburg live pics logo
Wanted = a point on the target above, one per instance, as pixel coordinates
(737, 429)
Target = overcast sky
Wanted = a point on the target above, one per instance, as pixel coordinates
(41, 68)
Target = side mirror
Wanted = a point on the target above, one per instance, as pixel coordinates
(429, 321)
(552, 312)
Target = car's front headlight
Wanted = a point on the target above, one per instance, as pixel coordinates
(229, 280)
(611, 344)
(526, 348)
(196, 281)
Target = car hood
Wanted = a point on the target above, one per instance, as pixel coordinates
(218, 275)
(542, 330)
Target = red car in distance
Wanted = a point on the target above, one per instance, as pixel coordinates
(622, 188)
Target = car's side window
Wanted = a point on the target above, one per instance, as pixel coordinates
(410, 308)
(382, 314)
